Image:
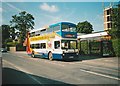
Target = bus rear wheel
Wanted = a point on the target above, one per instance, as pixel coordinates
(50, 56)
(33, 55)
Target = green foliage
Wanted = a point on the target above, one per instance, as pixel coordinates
(20, 47)
(22, 23)
(84, 47)
(9, 40)
(115, 31)
(11, 44)
(95, 47)
(19, 26)
(12, 33)
(84, 27)
(78, 44)
(116, 46)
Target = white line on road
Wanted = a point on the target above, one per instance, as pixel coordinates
(99, 67)
(21, 69)
(56, 63)
(107, 76)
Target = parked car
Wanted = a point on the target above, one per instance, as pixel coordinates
(3, 49)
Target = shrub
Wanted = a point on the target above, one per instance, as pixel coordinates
(20, 47)
(11, 44)
(116, 46)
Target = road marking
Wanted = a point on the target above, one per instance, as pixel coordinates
(71, 63)
(88, 65)
(91, 72)
(95, 73)
(99, 67)
(57, 63)
(21, 69)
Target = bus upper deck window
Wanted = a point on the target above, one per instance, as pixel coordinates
(37, 34)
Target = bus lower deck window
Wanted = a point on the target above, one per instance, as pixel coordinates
(43, 45)
(57, 44)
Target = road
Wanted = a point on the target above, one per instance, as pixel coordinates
(19, 68)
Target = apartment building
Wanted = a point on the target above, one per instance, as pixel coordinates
(108, 18)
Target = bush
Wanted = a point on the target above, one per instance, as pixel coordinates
(116, 46)
(20, 47)
(11, 44)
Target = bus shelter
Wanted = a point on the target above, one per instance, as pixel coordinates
(98, 43)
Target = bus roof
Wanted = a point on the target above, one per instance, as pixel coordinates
(34, 30)
(72, 24)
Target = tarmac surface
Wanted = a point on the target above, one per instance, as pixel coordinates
(19, 68)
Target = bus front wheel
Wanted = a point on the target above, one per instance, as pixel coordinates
(50, 56)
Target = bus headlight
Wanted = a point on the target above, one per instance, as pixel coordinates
(77, 53)
(63, 53)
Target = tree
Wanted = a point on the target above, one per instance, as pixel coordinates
(115, 30)
(5, 34)
(22, 23)
(84, 27)
(12, 33)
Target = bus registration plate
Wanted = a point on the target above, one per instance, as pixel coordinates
(71, 57)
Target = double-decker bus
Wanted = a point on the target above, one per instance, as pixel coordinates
(57, 41)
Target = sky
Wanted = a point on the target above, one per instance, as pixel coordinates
(47, 13)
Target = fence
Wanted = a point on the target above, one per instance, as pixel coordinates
(96, 47)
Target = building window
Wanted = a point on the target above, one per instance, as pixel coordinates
(109, 11)
(109, 18)
(109, 25)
